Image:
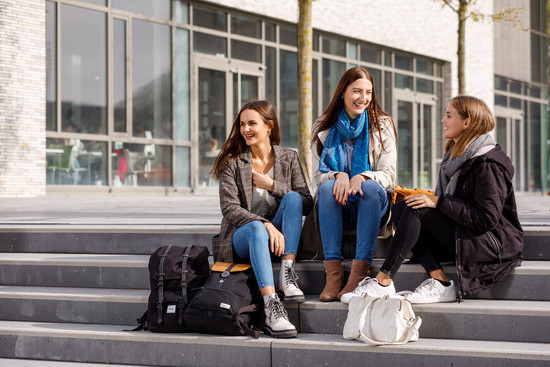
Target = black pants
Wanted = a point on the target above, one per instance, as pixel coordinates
(425, 232)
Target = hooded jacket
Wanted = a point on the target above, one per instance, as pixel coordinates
(488, 234)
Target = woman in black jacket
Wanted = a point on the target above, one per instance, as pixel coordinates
(472, 217)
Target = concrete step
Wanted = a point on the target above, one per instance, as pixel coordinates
(107, 344)
(527, 282)
(145, 239)
(525, 321)
(11, 362)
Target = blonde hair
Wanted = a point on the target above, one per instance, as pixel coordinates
(481, 122)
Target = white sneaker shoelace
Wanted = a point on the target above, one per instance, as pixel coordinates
(429, 288)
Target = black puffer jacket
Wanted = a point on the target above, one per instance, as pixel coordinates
(488, 235)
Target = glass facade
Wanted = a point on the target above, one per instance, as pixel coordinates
(148, 90)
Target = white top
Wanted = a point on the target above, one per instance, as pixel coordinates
(262, 201)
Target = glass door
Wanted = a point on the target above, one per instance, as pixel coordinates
(510, 134)
(222, 88)
(414, 115)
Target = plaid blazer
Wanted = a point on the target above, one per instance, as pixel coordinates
(236, 194)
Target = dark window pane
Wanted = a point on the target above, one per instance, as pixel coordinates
(209, 44)
(536, 59)
(119, 74)
(515, 103)
(403, 82)
(158, 8)
(288, 108)
(315, 91)
(181, 69)
(51, 71)
(288, 35)
(208, 18)
(424, 86)
(83, 70)
(332, 72)
(377, 77)
(246, 51)
(515, 87)
(535, 136)
(270, 32)
(501, 84)
(388, 105)
(371, 54)
(535, 92)
(334, 46)
(246, 27)
(424, 66)
(151, 81)
(315, 41)
(500, 100)
(404, 62)
(270, 74)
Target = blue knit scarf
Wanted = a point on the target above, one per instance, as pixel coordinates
(334, 156)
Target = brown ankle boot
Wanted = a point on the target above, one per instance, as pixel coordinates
(335, 278)
(359, 270)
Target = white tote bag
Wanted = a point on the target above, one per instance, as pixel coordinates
(381, 320)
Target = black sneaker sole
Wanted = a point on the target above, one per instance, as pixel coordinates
(293, 299)
(282, 334)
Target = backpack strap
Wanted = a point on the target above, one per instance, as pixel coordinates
(161, 283)
(251, 331)
(183, 298)
(142, 321)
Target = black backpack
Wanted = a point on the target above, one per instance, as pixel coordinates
(229, 303)
(175, 273)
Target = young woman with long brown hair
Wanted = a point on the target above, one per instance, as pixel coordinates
(263, 195)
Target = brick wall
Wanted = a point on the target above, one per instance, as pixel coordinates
(22, 98)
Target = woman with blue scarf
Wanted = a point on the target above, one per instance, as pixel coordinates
(354, 160)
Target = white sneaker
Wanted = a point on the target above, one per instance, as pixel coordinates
(288, 283)
(369, 286)
(432, 291)
(276, 319)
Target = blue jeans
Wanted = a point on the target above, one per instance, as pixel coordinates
(364, 215)
(251, 241)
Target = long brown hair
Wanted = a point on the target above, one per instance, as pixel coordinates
(481, 122)
(235, 144)
(374, 110)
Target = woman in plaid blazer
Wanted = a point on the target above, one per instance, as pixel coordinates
(263, 195)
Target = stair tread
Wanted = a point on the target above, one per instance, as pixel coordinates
(493, 349)
(42, 363)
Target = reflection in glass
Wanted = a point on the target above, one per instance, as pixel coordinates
(405, 146)
(424, 86)
(151, 80)
(249, 90)
(270, 32)
(501, 100)
(424, 66)
(535, 178)
(246, 51)
(516, 155)
(352, 50)
(158, 8)
(403, 81)
(83, 70)
(76, 162)
(181, 12)
(425, 148)
(181, 69)
(404, 62)
(501, 134)
(332, 72)
(371, 54)
(51, 71)
(141, 164)
(208, 44)
(288, 116)
(288, 35)
(183, 171)
(213, 19)
(377, 77)
(246, 26)
(212, 120)
(119, 74)
(315, 91)
(388, 101)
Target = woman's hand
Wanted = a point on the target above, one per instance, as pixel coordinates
(355, 185)
(418, 201)
(276, 239)
(262, 181)
(341, 187)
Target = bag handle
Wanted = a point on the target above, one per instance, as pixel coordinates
(161, 283)
(409, 332)
(183, 298)
(251, 331)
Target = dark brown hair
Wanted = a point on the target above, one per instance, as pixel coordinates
(481, 122)
(374, 111)
(235, 144)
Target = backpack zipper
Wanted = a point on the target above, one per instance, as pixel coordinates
(494, 244)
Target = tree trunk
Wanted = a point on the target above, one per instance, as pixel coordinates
(305, 67)
(461, 53)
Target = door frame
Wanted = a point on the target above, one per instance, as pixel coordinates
(229, 67)
(511, 115)
(419, 99)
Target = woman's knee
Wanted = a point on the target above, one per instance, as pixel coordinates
(326, 189)
(293, 200)
(371, 188)
(257, 231)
